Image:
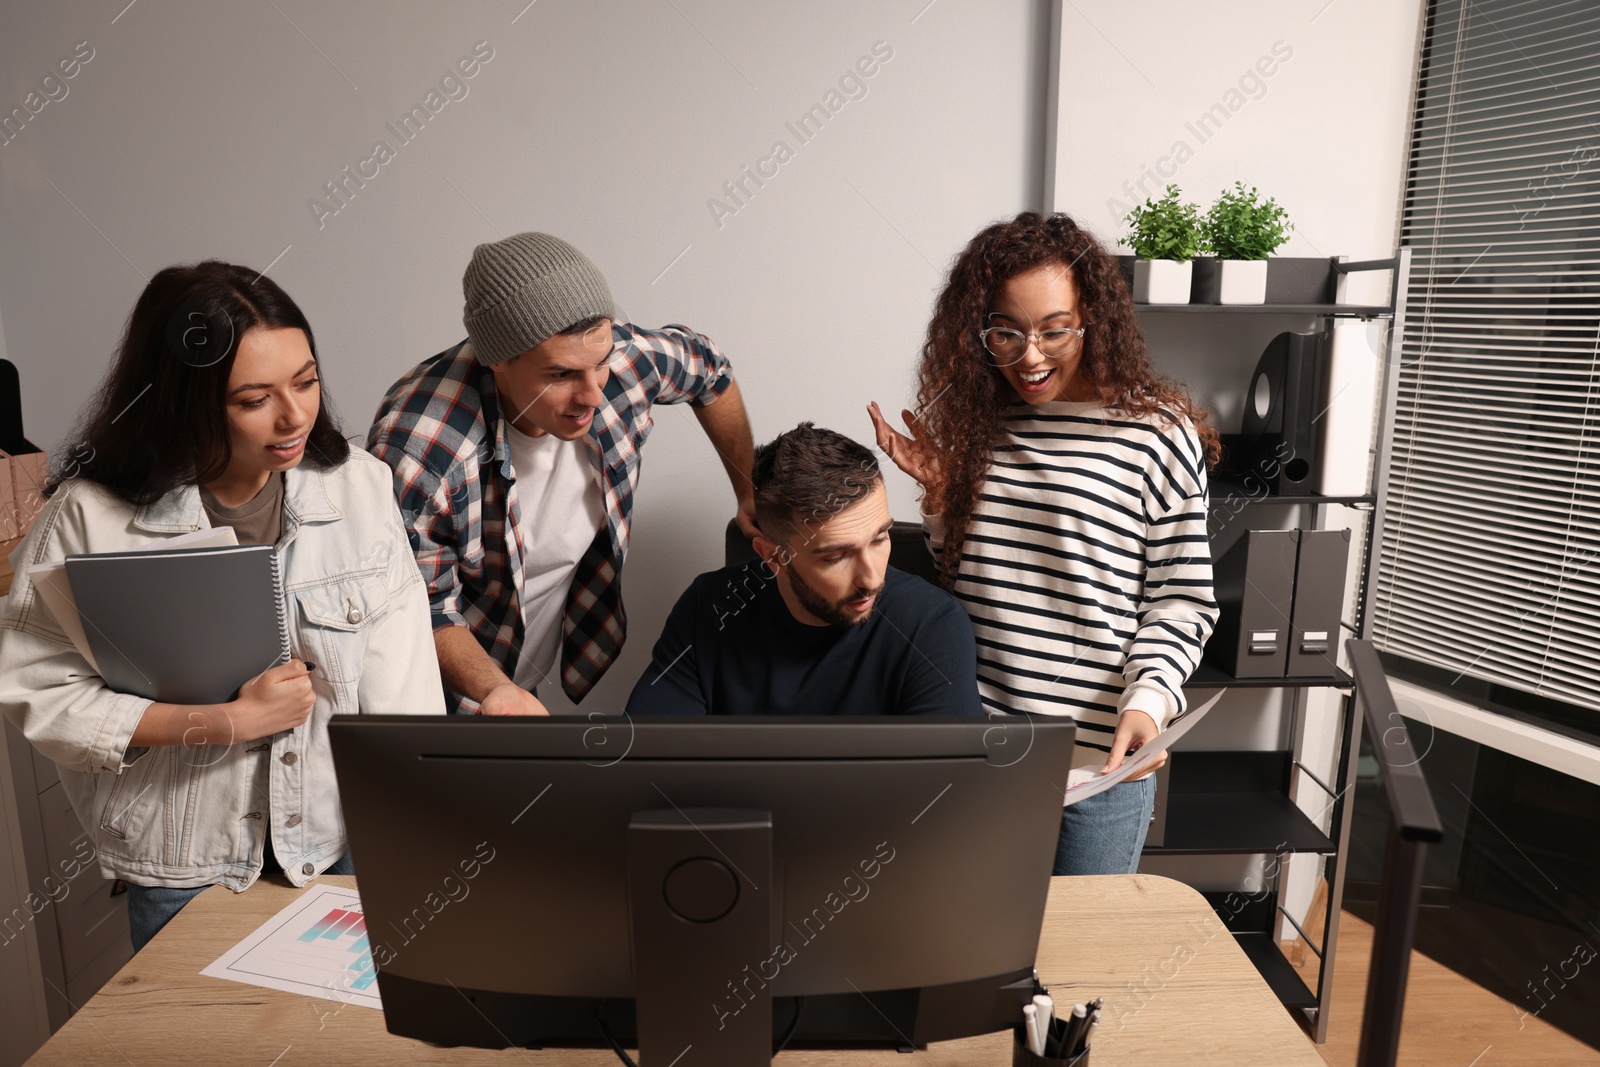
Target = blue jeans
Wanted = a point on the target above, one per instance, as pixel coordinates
(150, 907)
(1104, 834)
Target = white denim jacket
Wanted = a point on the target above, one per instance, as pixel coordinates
(180, 815)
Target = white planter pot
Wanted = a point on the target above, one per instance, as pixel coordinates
(1162, 281)
(1242, 281)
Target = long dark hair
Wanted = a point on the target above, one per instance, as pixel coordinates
(160, 418)
(960, 393)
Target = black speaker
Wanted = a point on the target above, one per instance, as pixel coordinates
(1279, 441)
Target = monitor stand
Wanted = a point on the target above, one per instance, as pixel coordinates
(700, 890)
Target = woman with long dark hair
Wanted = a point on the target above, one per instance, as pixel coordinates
(1065, 498)
(213, 414)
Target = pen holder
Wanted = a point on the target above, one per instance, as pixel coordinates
(1023, 1056)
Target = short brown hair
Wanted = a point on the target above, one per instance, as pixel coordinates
(807, 476)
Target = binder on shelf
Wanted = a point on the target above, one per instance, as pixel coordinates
(1346, 426)
(1254, 587)
(188, 626)
(1318, 602)
(1282, 408)
(1281, 599)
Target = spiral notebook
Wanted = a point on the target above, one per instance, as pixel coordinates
(187, 626)
(50, 581)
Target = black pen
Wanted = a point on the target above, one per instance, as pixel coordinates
(1071, 1031)
(1083, 1043)
(1094, 1013)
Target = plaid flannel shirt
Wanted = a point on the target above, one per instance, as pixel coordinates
(441, 430)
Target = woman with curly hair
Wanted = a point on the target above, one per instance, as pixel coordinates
(1065, 500)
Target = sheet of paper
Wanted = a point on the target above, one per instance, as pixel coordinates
(317, 947)
(1085, 782)
(50, 579)
(56, 592)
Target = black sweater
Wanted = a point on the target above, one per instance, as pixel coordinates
(732, 647)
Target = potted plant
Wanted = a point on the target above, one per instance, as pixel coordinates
(1241, 230)
(1166, 235)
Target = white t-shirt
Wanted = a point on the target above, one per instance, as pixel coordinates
(558, 495)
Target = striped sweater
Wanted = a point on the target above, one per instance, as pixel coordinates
(1086, 567)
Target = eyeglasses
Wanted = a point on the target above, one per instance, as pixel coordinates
(1007, 346)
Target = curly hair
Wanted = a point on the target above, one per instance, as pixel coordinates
(961, 395)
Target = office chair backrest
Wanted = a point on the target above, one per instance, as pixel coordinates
(907, 550)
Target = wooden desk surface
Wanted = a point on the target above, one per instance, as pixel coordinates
(1150, 946)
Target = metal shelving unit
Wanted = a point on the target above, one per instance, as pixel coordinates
(1207, 676)
(1341, 311)
(1241, 803)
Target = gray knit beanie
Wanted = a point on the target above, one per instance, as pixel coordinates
(526, 288)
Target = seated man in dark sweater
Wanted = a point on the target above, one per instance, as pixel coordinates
(820, 624)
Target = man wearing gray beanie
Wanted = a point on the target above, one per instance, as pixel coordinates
(516, 457)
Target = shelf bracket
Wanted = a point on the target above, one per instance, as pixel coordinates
(1299, 930)
(1346, 267)
(1326, 788)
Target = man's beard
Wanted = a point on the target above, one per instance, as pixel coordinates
(832, 614)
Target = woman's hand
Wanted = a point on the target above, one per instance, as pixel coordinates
(278, 699)
(1134, 729)
(914, 454)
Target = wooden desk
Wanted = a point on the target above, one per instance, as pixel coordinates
(1150, 946)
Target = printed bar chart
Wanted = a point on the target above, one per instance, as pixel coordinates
(339, 924)
(317, 946)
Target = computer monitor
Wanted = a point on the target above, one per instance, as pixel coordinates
(702, 888)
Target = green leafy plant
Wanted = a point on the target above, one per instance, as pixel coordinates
(1240, 225)
(1165, 228)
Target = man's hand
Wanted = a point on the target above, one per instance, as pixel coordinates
(509, 698)
(746, 518)
(468, 670)
(1134, 730)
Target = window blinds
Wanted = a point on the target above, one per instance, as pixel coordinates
(1489, 558)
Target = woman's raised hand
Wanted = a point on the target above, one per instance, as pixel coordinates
(913, 454)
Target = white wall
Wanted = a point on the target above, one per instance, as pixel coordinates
(1324, 133)
(203, 130)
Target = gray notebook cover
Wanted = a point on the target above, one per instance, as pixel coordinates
(189, 626)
